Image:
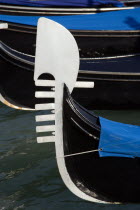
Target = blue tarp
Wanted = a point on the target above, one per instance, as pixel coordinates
(75, 3)
(117, 20)
(118, 139)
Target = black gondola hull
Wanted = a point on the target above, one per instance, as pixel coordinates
(114, 89)
(107, 179)
(90, 43)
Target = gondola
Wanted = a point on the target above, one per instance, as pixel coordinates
(98, 159)
(116, 79)
(61, 7)
(110, 176)
(104, 34)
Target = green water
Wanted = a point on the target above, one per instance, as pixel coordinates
(29, 178)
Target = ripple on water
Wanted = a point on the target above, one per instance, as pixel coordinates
(29, 178)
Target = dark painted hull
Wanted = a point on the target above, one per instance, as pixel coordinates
(90, 43)
(117, 81)
(107, 179)
(45, 11)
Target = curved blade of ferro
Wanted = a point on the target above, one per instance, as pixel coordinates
(56, 54)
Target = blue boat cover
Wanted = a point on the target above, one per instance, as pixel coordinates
(118, 139)
(117, 20)
(72, 3)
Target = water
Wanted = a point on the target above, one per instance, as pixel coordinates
(29, 178)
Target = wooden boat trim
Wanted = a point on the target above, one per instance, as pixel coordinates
(76, 31)
(133, 33)
(86, 35)
(43, 13)
(114, 80)
(90, 59)
(7, 103)
(110, 57)
(66, 9)
(16, 57)
(106, 35)
(129, 1)
(107, 73)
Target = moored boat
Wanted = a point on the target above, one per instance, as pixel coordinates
(96, 35)
(99, 155)
(119, 75)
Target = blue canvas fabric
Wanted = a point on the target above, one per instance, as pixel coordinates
(118, 139)
(117, 20)
(75, 3)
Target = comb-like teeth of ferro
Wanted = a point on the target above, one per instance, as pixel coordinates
(51, 83)
(45, 128)
(48, 118)
(45, 106)
(45, 94)
(45, 139)
(86, 84)
(41, 118)
(3, 25)
(45, 83)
